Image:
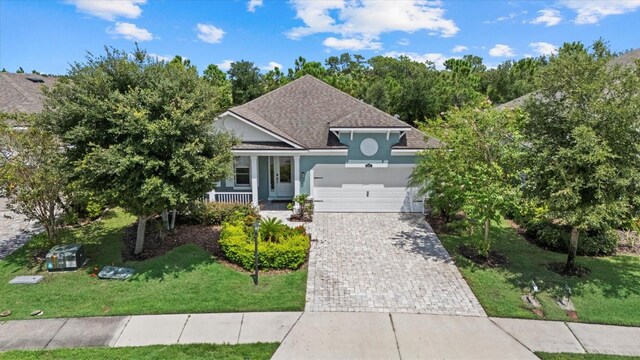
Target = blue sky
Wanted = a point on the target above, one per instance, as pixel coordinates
(48, 35)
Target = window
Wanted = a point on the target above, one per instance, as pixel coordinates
(242, 174)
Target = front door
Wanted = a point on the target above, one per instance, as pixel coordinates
(280, 176)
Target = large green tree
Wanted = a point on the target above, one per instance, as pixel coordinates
(139, 131)
(584, 133)
(245, 81)
(475, 170)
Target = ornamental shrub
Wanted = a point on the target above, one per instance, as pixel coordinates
(217, 213)
(236, 241)
(556, 238)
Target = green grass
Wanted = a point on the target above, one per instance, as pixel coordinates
(178, 352)
(568, 356)
(610, 294)
(185, 280)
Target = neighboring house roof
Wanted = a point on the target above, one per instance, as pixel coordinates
(623, 60)
(626, 59)
(303, 111)
(22, 93)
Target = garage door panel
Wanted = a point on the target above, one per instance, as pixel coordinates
(340, 189)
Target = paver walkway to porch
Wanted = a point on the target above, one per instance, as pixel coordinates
(383, 262)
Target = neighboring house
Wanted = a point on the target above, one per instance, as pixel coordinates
(627, 59)
(22, 93)
(310, 138)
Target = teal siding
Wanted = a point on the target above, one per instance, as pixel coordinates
(384, 146)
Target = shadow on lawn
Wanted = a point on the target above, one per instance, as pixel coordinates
(615, 277)
(178, 261)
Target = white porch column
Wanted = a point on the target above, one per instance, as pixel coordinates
(254, 180)
(296, 175)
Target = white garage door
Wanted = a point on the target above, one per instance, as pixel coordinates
(341, 189)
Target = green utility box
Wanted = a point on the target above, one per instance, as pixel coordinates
(65, 257)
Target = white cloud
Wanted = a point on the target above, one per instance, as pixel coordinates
(352, 44)
(272, 65)
(436, 58)
(591, 12)
(403, 42)
(253, 4)
(543, 48)
(359, 24)
(130, 32)
(209, 33)
(501, 50)
(158, 57)
(109, 9)
(459, 49)
(548, 17)
(502, 18)
(225, 65)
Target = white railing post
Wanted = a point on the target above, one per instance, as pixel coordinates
(296, 175)
(254, 180)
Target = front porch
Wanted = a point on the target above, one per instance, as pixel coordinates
(261, 181)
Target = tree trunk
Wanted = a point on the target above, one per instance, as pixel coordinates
(173, 219)
(165, 219)
(142, 225)
(485, 247)
(573, 248)
(487, 223)
(51, 232)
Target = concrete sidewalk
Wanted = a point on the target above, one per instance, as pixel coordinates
(323, 335)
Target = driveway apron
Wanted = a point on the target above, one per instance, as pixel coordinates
(383, 262)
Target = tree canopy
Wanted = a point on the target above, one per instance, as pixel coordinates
(139, 131)
(584, 132)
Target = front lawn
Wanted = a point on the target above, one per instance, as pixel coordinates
(198, 351)
(610, 294)
(184, 280)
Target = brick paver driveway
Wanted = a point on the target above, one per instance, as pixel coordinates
(383, 263)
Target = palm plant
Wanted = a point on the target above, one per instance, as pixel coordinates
(271, 229)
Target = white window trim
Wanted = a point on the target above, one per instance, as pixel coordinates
(242, 186)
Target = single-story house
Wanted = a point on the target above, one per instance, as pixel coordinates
(307, 137)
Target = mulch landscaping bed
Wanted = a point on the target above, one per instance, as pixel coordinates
(155, 244)
(494, 259)
(437, 223)
(204, 236)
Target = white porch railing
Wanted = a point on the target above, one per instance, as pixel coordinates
(230, 197)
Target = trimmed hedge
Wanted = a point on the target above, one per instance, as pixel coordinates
(236, 241)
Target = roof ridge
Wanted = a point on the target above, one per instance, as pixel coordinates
(353, 98)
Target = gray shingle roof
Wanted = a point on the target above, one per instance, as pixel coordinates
(303, 111)
(18, 94)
